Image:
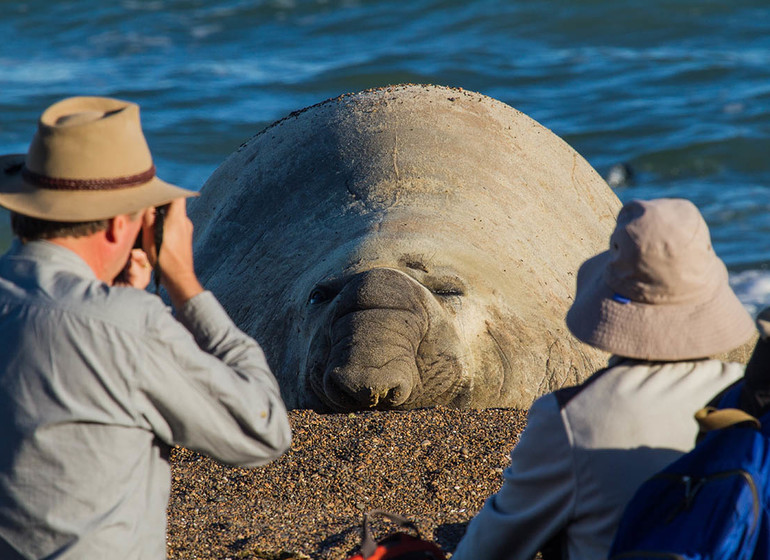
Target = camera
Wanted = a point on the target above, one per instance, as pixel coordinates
(157, 228)
(157, 232)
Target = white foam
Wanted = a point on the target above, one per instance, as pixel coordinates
(752, 288)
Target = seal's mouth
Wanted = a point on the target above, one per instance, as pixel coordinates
(439, 381)
(341, 402)
(328, 384)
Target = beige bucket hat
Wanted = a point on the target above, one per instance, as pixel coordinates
(88, 160)
(660, 293)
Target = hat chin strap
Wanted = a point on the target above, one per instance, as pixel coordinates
(54, 183)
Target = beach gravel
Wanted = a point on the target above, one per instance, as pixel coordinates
(435, 466)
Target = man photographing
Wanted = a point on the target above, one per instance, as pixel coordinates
(97, 378)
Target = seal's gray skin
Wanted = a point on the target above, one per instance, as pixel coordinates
(406, 247)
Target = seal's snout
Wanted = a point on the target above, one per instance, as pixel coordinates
(376, 329)
(371, 387)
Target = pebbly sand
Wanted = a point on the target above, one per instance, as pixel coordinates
(435, 466)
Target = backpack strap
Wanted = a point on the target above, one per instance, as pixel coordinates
(711, 418)
(368, 544)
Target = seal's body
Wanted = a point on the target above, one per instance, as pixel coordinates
(406, 247)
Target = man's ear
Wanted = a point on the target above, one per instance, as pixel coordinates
(116, 228)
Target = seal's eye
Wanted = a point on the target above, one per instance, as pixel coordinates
(445, 286)
(318, 295)
(449, 292)
(326, 290)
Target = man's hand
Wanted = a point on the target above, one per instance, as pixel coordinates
(137, 271)
(176, 254)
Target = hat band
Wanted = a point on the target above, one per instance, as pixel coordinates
(87, 184)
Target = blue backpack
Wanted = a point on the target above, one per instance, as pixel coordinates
(711, 503)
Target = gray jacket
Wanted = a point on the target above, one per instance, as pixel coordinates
(584, 452)
(96, 383)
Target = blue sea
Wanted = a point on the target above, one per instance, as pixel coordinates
(677, 90)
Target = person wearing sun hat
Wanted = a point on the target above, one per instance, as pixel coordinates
(97, 378)
(659, 301)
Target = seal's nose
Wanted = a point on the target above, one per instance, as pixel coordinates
(371, 387)
(377, 328)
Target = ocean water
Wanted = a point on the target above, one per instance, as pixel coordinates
(679, 91)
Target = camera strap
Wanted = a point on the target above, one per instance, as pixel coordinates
(157, 232)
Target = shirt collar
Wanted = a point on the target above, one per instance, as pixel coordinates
(52, 253)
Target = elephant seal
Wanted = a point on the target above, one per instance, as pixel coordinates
(405, 247)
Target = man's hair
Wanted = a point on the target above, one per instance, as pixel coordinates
(27, 228)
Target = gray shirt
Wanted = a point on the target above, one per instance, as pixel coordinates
(96, 382)
(585, 451)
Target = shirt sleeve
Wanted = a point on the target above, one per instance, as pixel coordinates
(537, 496)
(206, 385)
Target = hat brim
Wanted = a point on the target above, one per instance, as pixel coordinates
(78, 206)
(657, 332)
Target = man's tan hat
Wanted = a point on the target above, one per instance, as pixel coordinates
(87, 161)
(660, 293)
